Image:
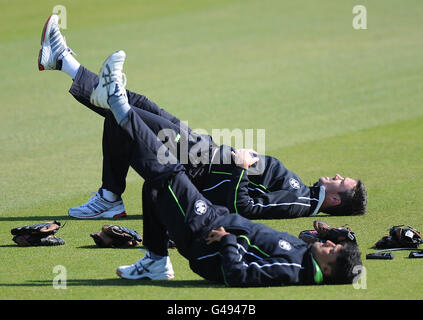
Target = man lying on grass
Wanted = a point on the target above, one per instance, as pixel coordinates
(265, 190)
(220, 246)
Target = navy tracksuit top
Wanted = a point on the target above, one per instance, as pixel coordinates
(253, 255)
(274, 193)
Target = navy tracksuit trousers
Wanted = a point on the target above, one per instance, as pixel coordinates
(168, 189)
(116, 164)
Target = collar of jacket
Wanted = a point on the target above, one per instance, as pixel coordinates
(318, 274)
(317, 193)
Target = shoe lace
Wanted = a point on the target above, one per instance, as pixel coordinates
(68, 50)
(121, 83)
(94, 196)
(119, 78)
(141, 264)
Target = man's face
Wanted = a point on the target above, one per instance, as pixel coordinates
(325, 253)
(337, 184)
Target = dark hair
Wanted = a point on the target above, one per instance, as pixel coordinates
(347, 265)
(353, 202)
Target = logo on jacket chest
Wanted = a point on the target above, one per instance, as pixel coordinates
(294, 183)
(285, 245)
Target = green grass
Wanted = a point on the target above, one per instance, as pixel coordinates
(331, 98)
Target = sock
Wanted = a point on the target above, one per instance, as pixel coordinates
(155, 256)
(69, 64)
(109, 196)
(120, 107)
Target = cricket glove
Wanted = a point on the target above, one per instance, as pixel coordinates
(400, 237)
(322, 232)
(113, 236)
(40, 234)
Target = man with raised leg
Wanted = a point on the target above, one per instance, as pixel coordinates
(274, 193)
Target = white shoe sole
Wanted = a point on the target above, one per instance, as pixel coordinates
(101, 215)
(45, 47)
(145, 276)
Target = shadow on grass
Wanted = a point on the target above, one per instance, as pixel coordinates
(67, 218)
(119, 282)
(93, 246)
(108, 248)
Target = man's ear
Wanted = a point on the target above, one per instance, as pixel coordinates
(334, 199)
(331, 200)
(326, 270)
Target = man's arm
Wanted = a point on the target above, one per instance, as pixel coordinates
(272, 271)
(275, 204)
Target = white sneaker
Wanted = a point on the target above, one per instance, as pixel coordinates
(99, 208)
(147, 268)
(53, 46)
(112, 80)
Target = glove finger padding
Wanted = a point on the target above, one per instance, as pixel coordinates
(323, 232)
(40, 234)
(45, 228)
(113, 236)
(309, 236)
(102, 240)
(400, 237)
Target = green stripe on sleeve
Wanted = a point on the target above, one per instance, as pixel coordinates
(254, 246)
(259, 185)
(222, 172)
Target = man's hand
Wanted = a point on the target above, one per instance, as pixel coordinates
(216, 235)
(244, 159)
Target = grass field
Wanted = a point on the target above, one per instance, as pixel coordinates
(332, 99)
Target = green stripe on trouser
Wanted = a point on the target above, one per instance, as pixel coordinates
(176, 199)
